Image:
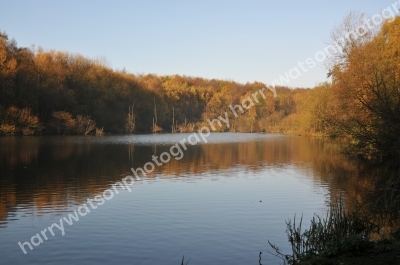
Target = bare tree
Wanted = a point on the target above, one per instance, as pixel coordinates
(84, 125)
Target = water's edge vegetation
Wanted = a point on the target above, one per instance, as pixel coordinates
(346, 237)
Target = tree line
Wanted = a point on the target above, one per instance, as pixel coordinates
(55, 92)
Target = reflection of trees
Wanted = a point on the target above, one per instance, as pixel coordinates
(52, 176)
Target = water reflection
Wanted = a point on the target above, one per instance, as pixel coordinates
(236, 188)
(48, 174)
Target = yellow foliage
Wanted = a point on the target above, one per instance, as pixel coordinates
(19, 122)
(7, 129)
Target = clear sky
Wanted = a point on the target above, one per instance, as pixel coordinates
(244, 41)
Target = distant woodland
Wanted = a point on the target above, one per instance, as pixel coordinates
(56, 92)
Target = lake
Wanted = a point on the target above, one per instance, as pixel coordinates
(219, 204)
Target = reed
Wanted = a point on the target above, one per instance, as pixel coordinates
(183, 260)
(335, 233)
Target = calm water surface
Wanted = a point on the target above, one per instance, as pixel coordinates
(219, 204)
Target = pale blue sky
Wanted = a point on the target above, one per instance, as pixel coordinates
(244, 41)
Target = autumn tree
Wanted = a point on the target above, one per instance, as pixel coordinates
(15, 121)
(8, 65)
(62, 122)
(366, 87)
